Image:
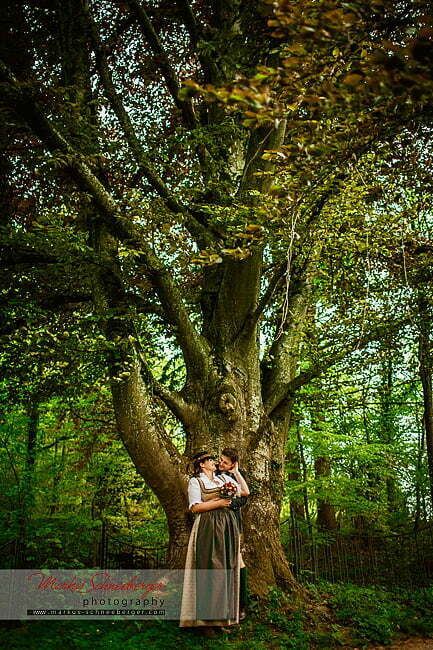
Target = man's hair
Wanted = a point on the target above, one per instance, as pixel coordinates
(231, 453)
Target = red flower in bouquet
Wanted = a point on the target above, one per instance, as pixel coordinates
(228, 490)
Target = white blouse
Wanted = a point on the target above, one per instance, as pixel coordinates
(194, 491)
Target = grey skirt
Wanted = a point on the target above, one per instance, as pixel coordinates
(211, 581)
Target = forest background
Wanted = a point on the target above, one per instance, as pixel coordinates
(216, 230)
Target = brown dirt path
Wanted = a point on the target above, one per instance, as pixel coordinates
(408, 644)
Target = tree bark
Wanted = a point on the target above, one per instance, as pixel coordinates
(326, 519)
(425, 372)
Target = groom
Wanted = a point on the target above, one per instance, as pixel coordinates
(228, 464)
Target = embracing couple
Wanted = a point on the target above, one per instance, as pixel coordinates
(214, 591)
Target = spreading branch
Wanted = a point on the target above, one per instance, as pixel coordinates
(185, 105)
(56, 441)
(285, 347)
(190, 20)
(163, 62)
(284, 391)
(193, 345)
(141, 157)
(208, 65)
(181, 409)
(12, 258)
(265, 300)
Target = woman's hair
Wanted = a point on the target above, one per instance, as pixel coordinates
(199, 458)
(231, 453)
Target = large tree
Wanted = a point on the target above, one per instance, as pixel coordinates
(177, 229)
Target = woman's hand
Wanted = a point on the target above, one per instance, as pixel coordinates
(224, 503)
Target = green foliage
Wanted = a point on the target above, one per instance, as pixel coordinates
(363, 417)
(372, 613)
(377, 615)
(82, 474)
(288, 623)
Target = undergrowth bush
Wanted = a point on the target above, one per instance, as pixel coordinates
(377, 615)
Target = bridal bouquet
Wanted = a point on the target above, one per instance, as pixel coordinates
(228, 490)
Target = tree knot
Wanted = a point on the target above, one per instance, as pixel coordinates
(228, 404)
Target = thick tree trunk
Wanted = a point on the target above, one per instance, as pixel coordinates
(230, 419)
(237, 419)
(265, 555)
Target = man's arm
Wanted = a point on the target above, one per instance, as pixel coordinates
(241, 480)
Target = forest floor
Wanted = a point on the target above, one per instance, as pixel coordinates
(343, 617)
(91, 635)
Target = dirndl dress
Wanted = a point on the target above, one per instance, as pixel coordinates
(210, 594)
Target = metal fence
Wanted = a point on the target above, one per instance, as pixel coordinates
(115, 552)
(404, 559)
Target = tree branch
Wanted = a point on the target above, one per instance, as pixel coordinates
(162, 60)
(284, 391)
(58, 300)
(209, 67)
(181, 409)
(144, 306)
(53, 444)
(275, 280)
(194, 226)
(190, 20)
(12, 258)
(285, 347)
(194, 346)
